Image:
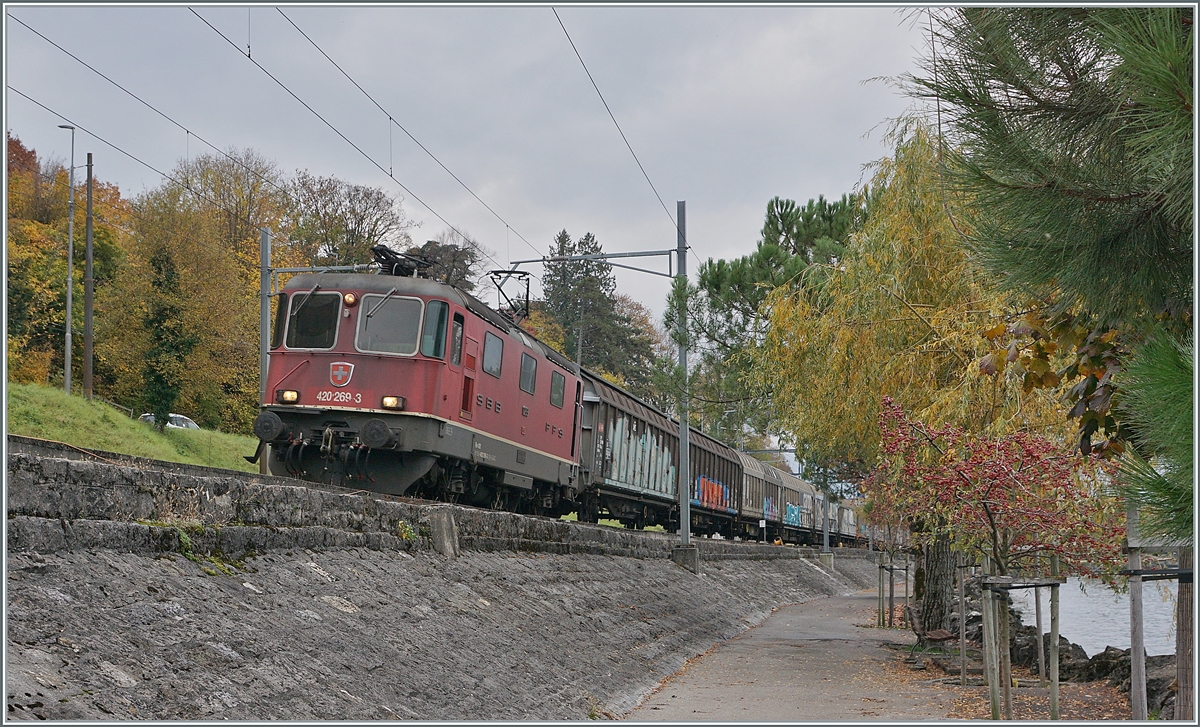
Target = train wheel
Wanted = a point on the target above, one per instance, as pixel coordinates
(589, 509)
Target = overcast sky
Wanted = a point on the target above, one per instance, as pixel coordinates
(725, 107)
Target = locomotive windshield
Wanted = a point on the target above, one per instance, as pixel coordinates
(389, 324)
(312, 322)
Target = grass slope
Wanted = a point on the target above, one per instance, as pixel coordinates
(40, 411)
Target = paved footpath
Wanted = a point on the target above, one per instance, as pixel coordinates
(806, 662)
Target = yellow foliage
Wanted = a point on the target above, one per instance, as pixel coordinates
(26, 366)
(544, 328)
(905, 315)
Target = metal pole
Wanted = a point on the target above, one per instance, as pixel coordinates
(264, 331)
(264, 312)
(891, 606)
(879, 594)
(87, 292)
(825, 525)
(70, 260)
(685, 464)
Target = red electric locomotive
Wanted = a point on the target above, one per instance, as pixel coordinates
(400, 384)
(408, 386)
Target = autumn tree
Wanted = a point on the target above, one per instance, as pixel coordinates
(455, 259)
(1072, 128)
(900, 315)
(725, 317)
(180, 326)
(334, 222)
(36, 252)
(1010, 498)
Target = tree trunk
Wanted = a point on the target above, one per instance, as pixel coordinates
(937, 599)
(1184, 638)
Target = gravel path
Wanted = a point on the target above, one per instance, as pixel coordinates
(809, 662)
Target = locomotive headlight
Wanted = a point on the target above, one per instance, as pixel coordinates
(393, 402)
(350, 299)
(287, 396)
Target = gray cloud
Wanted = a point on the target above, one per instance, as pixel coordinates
(725, 107)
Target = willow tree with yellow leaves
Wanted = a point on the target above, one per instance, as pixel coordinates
(904, 314)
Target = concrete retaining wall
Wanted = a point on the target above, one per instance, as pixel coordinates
(142, 509)
(142, 590)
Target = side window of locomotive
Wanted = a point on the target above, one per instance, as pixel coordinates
(528, 373)
(433, 337)
(389, 324)
(281, 300)
(493, 354)
(456, 335)
(558, 383)
(313, 320)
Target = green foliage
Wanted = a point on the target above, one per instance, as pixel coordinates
(1071, 129)
(816, 232)
(405, 531)
(598, 327)
(48, 413)
(1159, 397)
(170, 339)
(725, 320)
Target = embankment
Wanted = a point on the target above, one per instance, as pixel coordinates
(145, 590)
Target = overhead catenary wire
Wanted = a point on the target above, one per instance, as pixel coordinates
(337, 131)
(189, 133)
(150, 106)
(674, 222)
(52, 179)
(392, 120)
(102, 140)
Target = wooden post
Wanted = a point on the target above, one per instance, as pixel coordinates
(1054, 639)
(879, 595)
(1184, 637)
(990, 661)
(962, 622)
(906, 586)
(1005, 651)
(891, 614)
(1041, 645)
(1137, 641)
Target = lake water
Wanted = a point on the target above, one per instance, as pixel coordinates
(1094, 617)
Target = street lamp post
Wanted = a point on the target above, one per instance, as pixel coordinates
(70, 259)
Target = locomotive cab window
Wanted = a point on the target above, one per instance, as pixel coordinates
(389, 324)
(558, 383)
(493, 354)
(313, 320)
(528, 373)
(456, 335)
(281, 300)
(433, 338)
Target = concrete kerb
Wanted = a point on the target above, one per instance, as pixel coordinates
(69, 504)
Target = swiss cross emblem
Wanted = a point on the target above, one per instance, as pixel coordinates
(340, 373)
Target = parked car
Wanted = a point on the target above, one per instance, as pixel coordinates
(176, 421)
